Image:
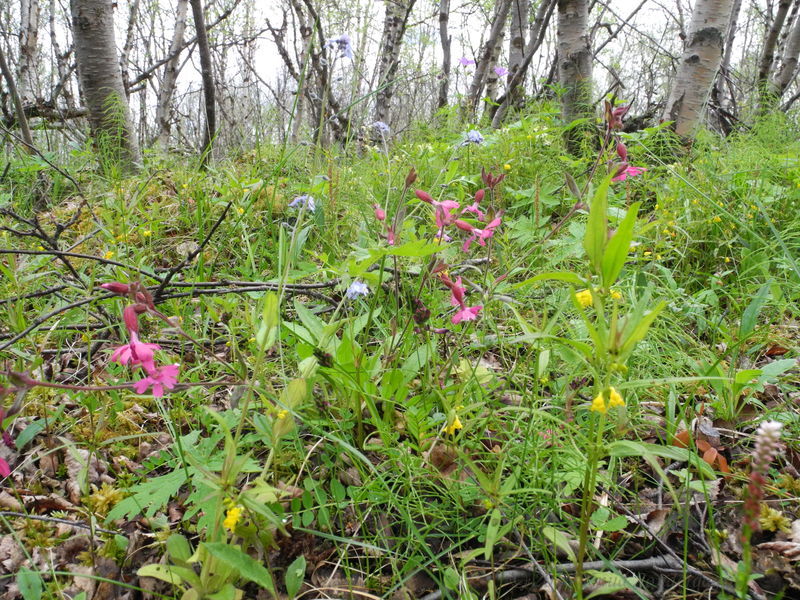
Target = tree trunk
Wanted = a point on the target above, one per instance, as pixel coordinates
(19, 110)
(785, 73)
(444, 37)
(28, 43)
(768, 53)
(538, 30)
(130, 36)
(485, 61)
(394, 28)
(207, 72)
(699, 64)
(520, 9)
(171, 70)
(306, 31)
(101, 82)
(574, 65)
(492, 77)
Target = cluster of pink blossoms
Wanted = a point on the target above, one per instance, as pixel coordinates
(137, 353)
(457, 292)
(622, 170)
(448, 212)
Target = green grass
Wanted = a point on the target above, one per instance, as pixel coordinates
(329, 428)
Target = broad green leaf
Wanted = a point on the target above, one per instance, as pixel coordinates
(492, 530)
(243, 564)
(594, 242)
(29, 584)
(150, 496)
(623, 448)
(178, 547)
(618, 248)
(750, 314)
(312, 322)
(565, 276)
(295, 575)
(561, 541)
(228, 592)
(161, 572)
(640, 330)
(415, 249)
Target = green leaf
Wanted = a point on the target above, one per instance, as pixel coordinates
(242, 563)
(161, 572)
(750, 314)
(623, 448)
(618, 248)
(150, 496)
(492, 533)
(594, 242)
(565, 276)
(228, 592)
(30, 584)
(561, 541)
(414, 249)
(295, 575)
(640, 330)
(179, 548)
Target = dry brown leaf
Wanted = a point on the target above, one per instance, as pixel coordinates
(789, 549)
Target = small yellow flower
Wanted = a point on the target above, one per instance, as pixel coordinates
(240, 210)
(507, 167)
(40, 247)
(108, 255)
(454, 426)
(616, 294)
(695, 201)
(232, 518)
(647, 253)
(614, 399)
(727, 259)
(716, 219)
(185, 185)
(283, 413)
(147, 233)
(584, 298)
(658, 257)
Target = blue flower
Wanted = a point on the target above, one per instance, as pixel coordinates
(382, 127)
(305, 201)
(344, 45)
(356, 289)
(473, 137)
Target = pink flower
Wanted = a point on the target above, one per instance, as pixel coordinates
(424, 196)
(390, 236)
(481, 235)
(627, 171)
(5, 469)
(501, 71)
(457, 291)
(473, 208)
(465, 62)
(622, 152)
(467, 313)
(116, 287)
(380, 214)
(135, 353)
(158, 378)
(444, 212)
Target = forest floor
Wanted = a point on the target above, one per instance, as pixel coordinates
(374, 380)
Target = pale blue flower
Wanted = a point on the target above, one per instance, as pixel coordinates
(344, 45)
(473, 137)
(382, 127)
(304, 201)
(356, 289)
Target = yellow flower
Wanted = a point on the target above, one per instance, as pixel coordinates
(614, 399)
(584, 298)
(147, 233)
(507, 167)
(232, 518)
(454, 426)
(240, 210)
(616, 294)
(283, 413)
(716, 219)
(108, 255)
(727, 259)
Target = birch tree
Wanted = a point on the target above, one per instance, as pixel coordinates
(768, 52)
(394, 28)
(445, 40)
(28, 45)
(574, 65)
(171, 70)
(485, 60)
(698, 66)
(206, 70)
(101, 81)
(785, 72)
(520, 10)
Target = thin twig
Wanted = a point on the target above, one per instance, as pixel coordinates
(78, 524)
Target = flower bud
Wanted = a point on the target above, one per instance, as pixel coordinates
(411, 177)
(117, 288)
(131, 318)
(424, 196)
(479, 195)
(380, 214)
(622, 152)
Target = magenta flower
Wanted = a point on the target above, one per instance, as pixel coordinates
(501, 71)
(158, 378)
(622, 152)
(467, 313)
(466, 62)
(457, 291)
(135, 353)
(380, 214)
(5, 469)
(473, 208)
(479, 235)
(627, 171)
(444, 212)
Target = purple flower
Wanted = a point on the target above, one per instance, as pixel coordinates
(305, 201)
(356, 289)
(382, 127)
(501, 71)
(466, 62)
(473, 137)
(343, 44)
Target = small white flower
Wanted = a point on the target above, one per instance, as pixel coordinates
(356, 289)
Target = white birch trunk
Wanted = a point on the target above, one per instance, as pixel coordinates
(28, 44)
(171, 70)
(699, 64)
(574, 63)
(101, 81)
(394, 28)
